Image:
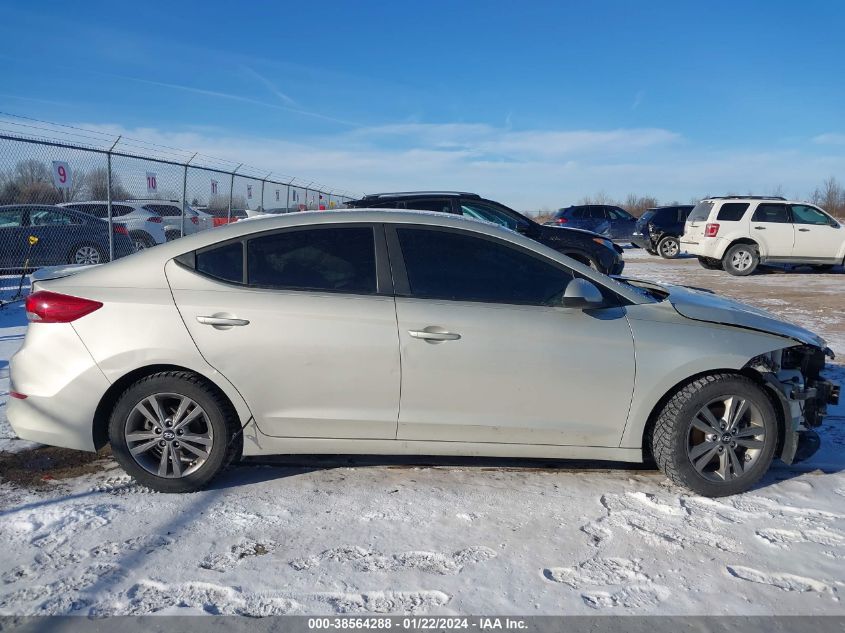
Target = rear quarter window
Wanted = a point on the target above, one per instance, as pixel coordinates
(732, 211)
(224, 262)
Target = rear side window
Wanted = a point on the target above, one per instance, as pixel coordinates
(700, 212)
(164, 210)
(459, 267)
(224, 262)
(732, 211)
(771, 213)
(440, 206)
(337, 259)
(49, 217)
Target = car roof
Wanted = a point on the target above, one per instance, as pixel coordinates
(418, 194)
(746, 198)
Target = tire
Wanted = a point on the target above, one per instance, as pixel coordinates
(153, 464)
(710, 264)
(651, 251)
(86, 254)
(172, 235)
(741, 260)
(141, 240)
(692, 456)
(669, 247)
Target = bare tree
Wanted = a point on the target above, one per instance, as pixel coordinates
(97, 184)
(830, 197)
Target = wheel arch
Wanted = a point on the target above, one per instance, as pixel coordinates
(742, 240)
(110, 397)
(766, 388)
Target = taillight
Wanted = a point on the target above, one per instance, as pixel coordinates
(120, 229)
(17, 395)
(195, 220)
(51, 307)
(561, 220)
(711, 230)
(154, 218)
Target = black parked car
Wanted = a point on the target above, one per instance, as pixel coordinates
(608, 220)
(659, 230)
(64, 236)
(584, 246)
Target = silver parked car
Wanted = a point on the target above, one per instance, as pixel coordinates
(391, 332)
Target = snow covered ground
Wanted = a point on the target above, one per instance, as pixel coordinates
(474, 536)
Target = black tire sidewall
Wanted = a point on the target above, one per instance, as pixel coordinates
(196, 391)
(680, 434)
(726, 261)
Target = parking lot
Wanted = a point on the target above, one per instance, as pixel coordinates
(353, 535)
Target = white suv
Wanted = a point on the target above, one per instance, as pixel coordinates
(737, 233)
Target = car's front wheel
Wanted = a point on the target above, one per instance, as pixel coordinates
(173, 432)
(716, 435)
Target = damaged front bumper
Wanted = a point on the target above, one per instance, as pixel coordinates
(794, 377)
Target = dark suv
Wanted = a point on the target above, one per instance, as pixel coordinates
(610, 221)
(659, 230)
(584, 246)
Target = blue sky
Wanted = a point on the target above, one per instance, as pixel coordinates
(535, 103)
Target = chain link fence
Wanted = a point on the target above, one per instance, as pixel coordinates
(74, 196)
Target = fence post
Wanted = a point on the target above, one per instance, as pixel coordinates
(108, 198)
(262, 190)
(185, 194)
(232, 192)
(287, 198)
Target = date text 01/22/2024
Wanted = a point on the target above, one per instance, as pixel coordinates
(417, 623)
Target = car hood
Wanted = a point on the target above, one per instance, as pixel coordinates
(703, 305)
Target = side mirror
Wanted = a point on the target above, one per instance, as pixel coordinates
(581, 294)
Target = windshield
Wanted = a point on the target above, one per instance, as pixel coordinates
(492, 214)
(700, 212)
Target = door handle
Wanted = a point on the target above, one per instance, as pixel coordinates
(434, 335)
(221, 321)
(803, 230)
(760, 228)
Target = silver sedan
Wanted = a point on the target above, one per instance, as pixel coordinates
(390, 332)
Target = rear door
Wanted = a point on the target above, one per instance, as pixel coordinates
(59, 235)
(302, 321)
(817, 235)
(771, 227)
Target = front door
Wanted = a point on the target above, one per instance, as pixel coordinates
(817, 236)
(300, 322)
(486, 357)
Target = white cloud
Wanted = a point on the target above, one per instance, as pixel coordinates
(524, 169)
(830, 138)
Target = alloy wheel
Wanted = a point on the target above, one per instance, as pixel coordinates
(726, 437)
(669, 248)
(741, 260)
(169, 435)
(86, 255)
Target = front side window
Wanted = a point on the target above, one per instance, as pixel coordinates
(777, 213)
(616, 213)
(490, 213)
(804, 214)
(223, 262)
(460, 267)
(337, 259)
(732, 211)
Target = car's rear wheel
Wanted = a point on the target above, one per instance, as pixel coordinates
(173, 432)
(741, 260)
(716, 435)
(669, 247)
(141, 240)
(86, 254)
